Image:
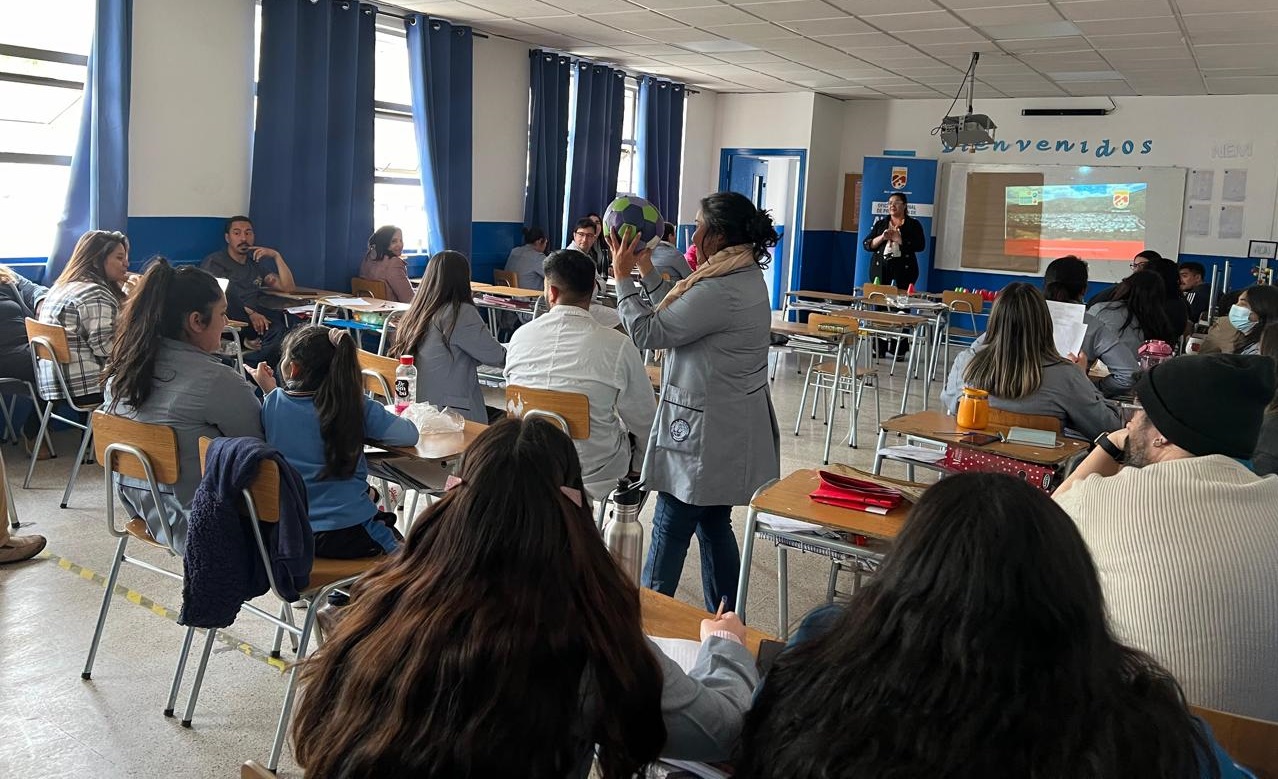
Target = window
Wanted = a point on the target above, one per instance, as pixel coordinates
(397, 186)
(43, 67)
(628, 169)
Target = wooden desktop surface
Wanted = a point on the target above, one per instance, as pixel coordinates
(369, 306)
(440, 446)
(796, 328)
(837, 297)
(502, 291)
(939, 426)
(305, 294)
(789, 498)
(666, 617)
(881, 317)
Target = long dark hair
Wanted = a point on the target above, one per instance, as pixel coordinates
(1263, 301)
(1065, 280)
(328, 367)
(445, 287)
(1143, 297)
(156, 310)
(737, 221)
(1269, 348)
(980, 649)
(88, 260)
(379, 242)
(469, 653)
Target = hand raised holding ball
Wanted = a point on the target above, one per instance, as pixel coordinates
(632, 226)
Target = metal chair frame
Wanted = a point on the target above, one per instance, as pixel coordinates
(41, 342)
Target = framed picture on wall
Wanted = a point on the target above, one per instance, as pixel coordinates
(1262, 250)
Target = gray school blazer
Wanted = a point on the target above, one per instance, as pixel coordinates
(715, 439)
(448, 377)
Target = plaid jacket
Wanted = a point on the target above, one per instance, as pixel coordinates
(87, 311)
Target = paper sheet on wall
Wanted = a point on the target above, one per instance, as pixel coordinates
(1234, 189)
(1231, 222)
(1068, 328)
(1201, 183)
(1198, 219)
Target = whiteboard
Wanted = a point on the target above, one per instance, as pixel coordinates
(1163, 210)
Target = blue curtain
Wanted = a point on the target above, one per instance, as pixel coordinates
(441, 71)
(98, 194)
(312, 185)
(596, 139)
(659, 144)
(548, 143)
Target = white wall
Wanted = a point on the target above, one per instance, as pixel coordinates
(191, 110)
(821, 196)
(1205, 132)
(700, 174)
(501, 130)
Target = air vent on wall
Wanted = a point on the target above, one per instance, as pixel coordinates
(1066, 111)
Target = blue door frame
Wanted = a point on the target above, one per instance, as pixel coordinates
(796, 259)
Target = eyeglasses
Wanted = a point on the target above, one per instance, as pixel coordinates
(584, 234)
(1138, 265)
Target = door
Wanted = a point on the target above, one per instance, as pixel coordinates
(749, 176)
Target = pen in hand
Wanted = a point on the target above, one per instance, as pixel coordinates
(723, 604)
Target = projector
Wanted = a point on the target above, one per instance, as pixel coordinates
(967, 130)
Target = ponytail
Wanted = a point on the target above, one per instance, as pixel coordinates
(156, 310)
(328, 366)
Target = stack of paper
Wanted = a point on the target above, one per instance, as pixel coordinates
(1068, 327)
(910, 452)
(786, 525)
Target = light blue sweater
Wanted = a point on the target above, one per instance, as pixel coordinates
(292, 426)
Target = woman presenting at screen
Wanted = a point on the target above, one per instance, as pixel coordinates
(895, 240)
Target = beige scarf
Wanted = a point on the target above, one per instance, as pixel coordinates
(722, 263)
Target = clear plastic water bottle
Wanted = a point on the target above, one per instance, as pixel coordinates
(405, 383)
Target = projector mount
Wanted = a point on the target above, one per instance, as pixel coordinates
(969, 129)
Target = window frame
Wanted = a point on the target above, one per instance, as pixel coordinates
(42, 55)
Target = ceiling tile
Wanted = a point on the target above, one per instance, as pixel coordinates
(1243, 85)
(1014, 14)
(1098, 88)
(1230, 57)
(793, 10)
(1087, 10)
(1152, 53)
(862, 41)
(713, 16)
(680, 35)
(960, 5)
(1145, 24)
(650, 49)
(588, 6)
(755, 57)
(462, 12)
(664, 5)
(754, 33)
(822, 27)
(1213, 37)
(866, 7)
(521, 9)
(922, 20)
(1221, 6)
(689, 59)
(718, 47)
(1030, 45)
(1045, 30)
(635, 21)
(923, 38)
(1267, 20)
(1135, 40)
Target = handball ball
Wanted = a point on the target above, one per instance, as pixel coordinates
(630, 215)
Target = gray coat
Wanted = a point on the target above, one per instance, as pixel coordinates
(447, 376)
(670, 261)
(1066, 393)
(715, 439)
(529, 264)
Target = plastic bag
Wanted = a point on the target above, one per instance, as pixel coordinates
(430, 419)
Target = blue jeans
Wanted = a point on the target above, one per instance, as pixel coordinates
(673, 523)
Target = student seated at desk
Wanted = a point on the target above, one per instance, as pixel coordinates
(667, 258)
(526, 260)
(979, 649)
(504, 641)
(1065, 281)
(1265, 459)
(1185, 535)
(319, 421)
(163, 370)
(1256, 309)
(252, 272)
(1018, 365)
(449, 340)
(383, 262)
(567, 350)
(85, 301)
(1137, 312)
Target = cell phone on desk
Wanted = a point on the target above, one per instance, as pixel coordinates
(981, 439)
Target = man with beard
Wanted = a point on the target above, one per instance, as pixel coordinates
(1184, 535)
(252, 273)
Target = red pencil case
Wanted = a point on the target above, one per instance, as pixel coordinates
(836, 489)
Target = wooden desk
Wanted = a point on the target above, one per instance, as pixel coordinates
(305, 294)
(826, 343)
(833, 297)
(913, 326)
(440, 446)
(942, 428)
(666, 617)
(503, 291)
(788, 497)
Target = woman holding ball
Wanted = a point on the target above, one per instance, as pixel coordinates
(715, 439)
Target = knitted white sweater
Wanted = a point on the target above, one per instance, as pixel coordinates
(1187, 552)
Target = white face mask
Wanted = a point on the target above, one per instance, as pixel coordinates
(1240, 318)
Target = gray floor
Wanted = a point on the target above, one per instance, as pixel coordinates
(54, 724)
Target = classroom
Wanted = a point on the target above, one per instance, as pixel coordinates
(367, 370)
